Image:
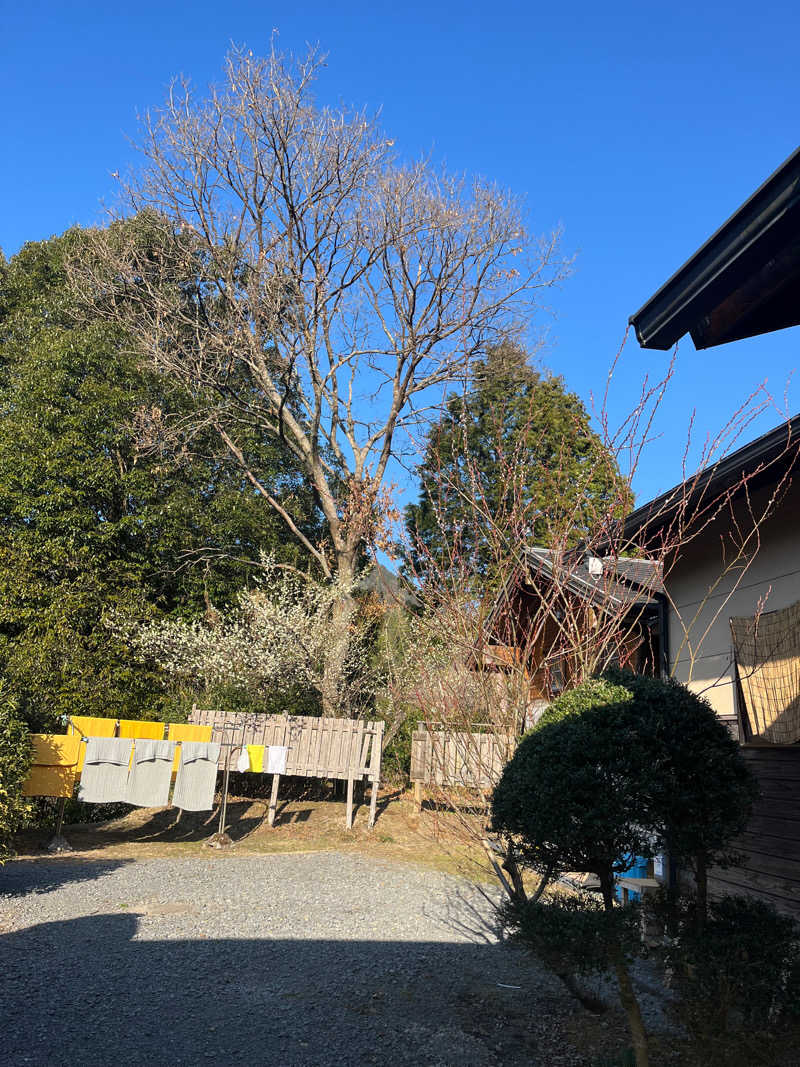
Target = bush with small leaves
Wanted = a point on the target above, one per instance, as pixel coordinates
(737, 973)
(699, 792)
(571, 795)
(16, 755)
(571, 932)
(621, 765)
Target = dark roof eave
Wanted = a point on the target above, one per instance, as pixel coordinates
(709, 294)
(762, 453)
(597, 592)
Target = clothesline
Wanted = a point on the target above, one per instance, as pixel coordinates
(137, 792)
(307, 746)
(178, 741)
(172, 741)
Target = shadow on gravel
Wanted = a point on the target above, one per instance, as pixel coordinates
(47, 874)
(168, 824)
(84, 991)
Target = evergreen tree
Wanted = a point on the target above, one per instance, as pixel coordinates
(514, 455)
(94, 523)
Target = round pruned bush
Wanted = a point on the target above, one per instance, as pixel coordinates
(626, 764)
(571, 795)
(700, 792)
(619, 766)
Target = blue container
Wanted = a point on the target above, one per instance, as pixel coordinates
(637, 869)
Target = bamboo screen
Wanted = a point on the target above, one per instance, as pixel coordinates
(767, 649)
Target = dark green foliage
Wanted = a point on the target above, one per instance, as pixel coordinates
(738, 971)
(289, 699)
(91, 521)
(621, 765)
(396, 759)
(16, 755)
(700, 793)
(517, 447)
(626, 1058)
(571, 932)
(573, 790)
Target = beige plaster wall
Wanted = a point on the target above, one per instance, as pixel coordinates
(704, 597)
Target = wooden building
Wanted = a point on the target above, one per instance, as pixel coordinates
(557, 612)
(732, 633)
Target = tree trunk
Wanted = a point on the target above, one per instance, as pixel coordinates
(335, 689)
(584, 998)
(626, 994)
(701, 881)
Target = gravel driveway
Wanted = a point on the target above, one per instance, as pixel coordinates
(323, 958)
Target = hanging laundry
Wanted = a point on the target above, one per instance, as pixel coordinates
(197, 776)
(182, 731)
(154, 731)
(243, 762)
(90, 726)
(150, 774)
(55, 764)
(104, 779)
(256, 756)
(276, 759)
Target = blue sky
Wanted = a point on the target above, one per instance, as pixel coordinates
(638, 128)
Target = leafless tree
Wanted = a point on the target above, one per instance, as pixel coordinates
(559, 613)
(307, 284)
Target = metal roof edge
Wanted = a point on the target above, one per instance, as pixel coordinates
(748, 456)
(665, 317)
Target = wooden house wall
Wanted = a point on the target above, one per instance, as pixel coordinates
(703, 599)
(770, 848)
(521, 616)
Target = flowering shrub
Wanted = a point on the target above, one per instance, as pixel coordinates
(284, 633)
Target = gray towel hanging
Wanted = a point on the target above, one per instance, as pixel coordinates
(104, 778)
(151, 773)
(197, 776)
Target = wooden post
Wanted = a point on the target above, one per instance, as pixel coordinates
(349, 819)
(418, 795)
(273, 799)
(375, 769)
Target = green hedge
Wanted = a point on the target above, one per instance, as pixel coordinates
(16, 756)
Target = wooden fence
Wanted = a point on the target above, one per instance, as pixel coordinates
(344, 749)
(458, 758)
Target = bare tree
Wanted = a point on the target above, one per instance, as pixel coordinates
(561, 613)
(306, 284)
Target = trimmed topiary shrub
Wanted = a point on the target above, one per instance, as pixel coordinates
(621, 765)
(701, 792)
(571, 795)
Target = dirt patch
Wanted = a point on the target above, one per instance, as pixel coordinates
(304, 822)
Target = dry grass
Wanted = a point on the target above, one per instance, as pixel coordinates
(307, 821)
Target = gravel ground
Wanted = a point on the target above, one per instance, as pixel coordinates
(321, 958)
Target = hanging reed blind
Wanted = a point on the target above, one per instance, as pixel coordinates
(767, 649)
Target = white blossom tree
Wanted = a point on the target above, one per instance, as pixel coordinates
(279, 636)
